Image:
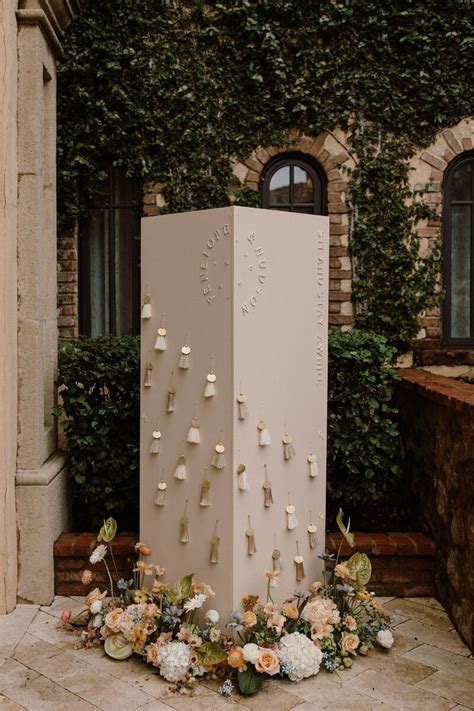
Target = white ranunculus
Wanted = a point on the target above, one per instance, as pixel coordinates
(213, 616)
(300, 656)
(96, 607)
(251, 652)
(174, 660)
(98, 554)
(385, 638)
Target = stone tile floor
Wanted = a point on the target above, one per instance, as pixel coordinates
(428, 669)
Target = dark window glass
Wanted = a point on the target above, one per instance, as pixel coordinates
(458, 249)
(109, 260)
(295, 184)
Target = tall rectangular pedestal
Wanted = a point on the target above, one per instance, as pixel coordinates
(245, 291)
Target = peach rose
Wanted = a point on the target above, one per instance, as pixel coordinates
(86, 577)
(250, 619)
(152, 655)
(106, 632)
(113, 619)
(95, 594)
(350, 623)
(235, 659)
(143, 549)
(349, 642)
(290, 610)
(268, 662)
(341, 571)
(316, 586)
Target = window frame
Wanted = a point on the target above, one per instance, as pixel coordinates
(306, 163)
(106, 203)
(446, 338)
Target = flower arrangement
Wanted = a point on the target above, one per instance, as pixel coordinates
(326, 626)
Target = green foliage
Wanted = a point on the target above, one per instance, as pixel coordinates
(172, 90)
(363, 436)
(249, 681)
(100, 393)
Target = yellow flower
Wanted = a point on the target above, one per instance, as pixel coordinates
(140, 596)
(140, 637)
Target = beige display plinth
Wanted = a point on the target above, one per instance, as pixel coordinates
(248, 289)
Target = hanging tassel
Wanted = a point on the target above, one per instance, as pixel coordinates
(205, 486)
(242, 477)
(243, 411)
(160, 498)
(250, 533)
(184, 526)
(312, 538)
(267, 490)
(215, 540)
(218, 459)
(210, 389)
(180, 471)
(155, 446)
(299, 565)
(160, 343)
(146, 308)
(288, 449)
(313, 465)
(276, 561)
(183, 362)
(148, 372)
(291, 520)
(170, 403)
(193, 434)
(264, 436)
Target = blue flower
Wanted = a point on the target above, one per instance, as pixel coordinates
(226, 689)
(346, 589)
(327, 556)
(122, 584)
(235, 621)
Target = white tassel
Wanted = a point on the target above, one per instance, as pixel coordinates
(184, 526)
(291, 520)
(148, 371)
(313, 465)
(218, 459)
(215, 540)
(160, 343)
(171, 399)
(243, 411)
(264, 437)
(155, 446)
(180, 471)
(193, 435)
(160, 498)
(267, 490)
(242, 478)
(210, 389)
(312, 538)
(299, 565)
(205, 486)
(146, 308)
(288, 449)
(276, 561)
(250, 533)
(183, 362)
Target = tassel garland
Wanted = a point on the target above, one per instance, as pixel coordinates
(299, 565)
(218, 459)
(313, 465)
(242, 408)
(250, 533)
(155, 446)
(312, 539)
(146, 307)
(242, 478)
(180, 471)
(215, 540)
(205, 486)
(264, 438)
(160, 498)
(267, 490)
(148, 372)
(288, 449)
(193, 433)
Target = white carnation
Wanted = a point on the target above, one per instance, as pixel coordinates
(385, 638)
(213, 616)
(174, 660)
(251, 652)
(195, 602)
(96, 607)
(98, 554)
(300, 656)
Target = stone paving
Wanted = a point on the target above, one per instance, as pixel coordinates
(428, 669)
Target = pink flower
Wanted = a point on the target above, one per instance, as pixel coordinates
(65, 616)
(341, 570)
(86, 577)
(316, 586)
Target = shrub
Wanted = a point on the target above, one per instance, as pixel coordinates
(100, 391)
(363, 469)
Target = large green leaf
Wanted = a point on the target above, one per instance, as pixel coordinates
(182, 589)
(249, 681)
(360, 568)
(345, 530)
(211, 654)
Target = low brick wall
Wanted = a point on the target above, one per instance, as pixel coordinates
(403, 564)
(437, 427)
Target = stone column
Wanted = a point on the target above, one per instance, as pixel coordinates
(41, 479)
(8, 318)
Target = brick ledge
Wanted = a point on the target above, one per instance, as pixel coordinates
(439, 388)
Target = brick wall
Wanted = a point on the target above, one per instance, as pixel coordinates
(437, 427)
(403, 564)
(68, 292)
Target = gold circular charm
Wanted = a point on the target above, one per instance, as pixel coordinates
(172, 390)
(311, 458)
(241, 397)
(195, 422)
(161, 331)
(182, 459)
(267, 485)
(240, 469)
(156, 434)
(261, 425)
(287, 439)
(249, 532)
(276, 554)
(290, 509)
(206, 484)
(298, 559)
(211, 378)
(219, 448)
(162, 485)
(311, 528)
(185, 350)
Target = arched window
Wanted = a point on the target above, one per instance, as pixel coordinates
(458, 252)
(294, 183)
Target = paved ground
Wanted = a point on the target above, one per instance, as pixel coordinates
(429, 669)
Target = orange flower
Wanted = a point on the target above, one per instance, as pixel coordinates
(268, 663)
(86, 577)
(290, 610)
(250, 618)
(235, 659)
(143, 549)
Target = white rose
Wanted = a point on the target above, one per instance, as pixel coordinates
(251, 653)
(385, 638)
(96, 607)
(213, 616)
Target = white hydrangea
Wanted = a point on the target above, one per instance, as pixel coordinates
(300, 656)
(174, 660)
(385, 638)
(251, 652)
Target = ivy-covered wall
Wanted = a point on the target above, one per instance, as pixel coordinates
(175, 91)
